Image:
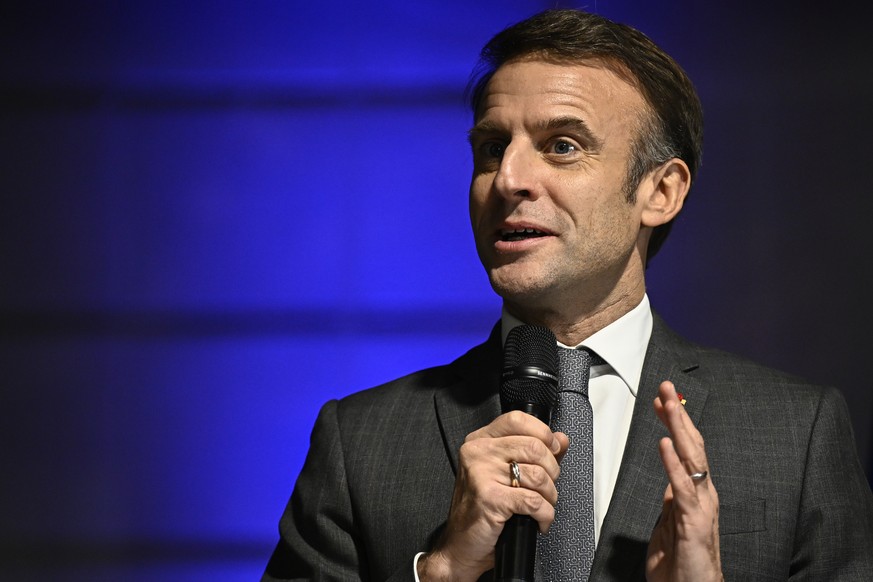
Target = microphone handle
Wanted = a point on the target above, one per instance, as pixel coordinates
(516, 549)
(515, 553)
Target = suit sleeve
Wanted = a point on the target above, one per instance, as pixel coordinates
(318, 536)
(834, 539)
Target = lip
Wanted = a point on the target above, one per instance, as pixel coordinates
(516, 246)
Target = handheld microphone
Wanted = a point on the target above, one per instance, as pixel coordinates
(529, 383)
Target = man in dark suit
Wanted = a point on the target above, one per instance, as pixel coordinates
(585, 142)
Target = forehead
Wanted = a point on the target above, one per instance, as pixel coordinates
(532, 90)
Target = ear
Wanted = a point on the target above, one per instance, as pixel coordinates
(662, 193)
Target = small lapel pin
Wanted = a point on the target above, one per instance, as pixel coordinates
(682, 400)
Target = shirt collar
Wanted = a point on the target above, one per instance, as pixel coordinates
(622, 343)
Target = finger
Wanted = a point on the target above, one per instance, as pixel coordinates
(661, 542)
(659, 408)
(508, 501)
(489, 459)
(541, 477)
(683, 495)
(518, 423)
(666, 518)
(668, 495)
(676, 474)
(564, 443)
(537, 479)
(523, 449)
(534, 505)
(666, 393)
(487, 483)
(687, 440)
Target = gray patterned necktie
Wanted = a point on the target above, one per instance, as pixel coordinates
(567, 551)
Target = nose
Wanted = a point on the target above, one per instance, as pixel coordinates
(516, 174)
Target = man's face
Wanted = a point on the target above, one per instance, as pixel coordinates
(549, 214)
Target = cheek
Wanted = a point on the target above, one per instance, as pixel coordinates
(606, 221)
(478, 197)
(623, 227)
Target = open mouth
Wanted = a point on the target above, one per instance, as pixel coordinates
(521, 234)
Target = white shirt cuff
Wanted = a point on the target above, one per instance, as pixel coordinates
(415, 565)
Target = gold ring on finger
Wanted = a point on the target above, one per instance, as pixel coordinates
(514, 474)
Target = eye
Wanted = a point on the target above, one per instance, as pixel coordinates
(563, 147)
(492, 149)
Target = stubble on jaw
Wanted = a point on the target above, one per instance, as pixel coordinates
(575, 313)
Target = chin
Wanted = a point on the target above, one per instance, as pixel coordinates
(517, 287)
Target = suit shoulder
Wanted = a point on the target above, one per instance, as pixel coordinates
(715, 360)
(476, 369)
(742, 380)
(418, 384)
(732, 372)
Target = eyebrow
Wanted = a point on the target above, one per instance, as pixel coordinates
(566, 122)
(574, 125)
(482, 128)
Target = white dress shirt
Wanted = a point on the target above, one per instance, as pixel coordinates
(612, 390)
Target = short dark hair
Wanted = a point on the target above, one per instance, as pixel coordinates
(675, 126)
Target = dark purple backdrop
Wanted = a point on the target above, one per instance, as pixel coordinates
(216, 216)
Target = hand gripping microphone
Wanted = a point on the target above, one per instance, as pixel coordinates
(529, 383)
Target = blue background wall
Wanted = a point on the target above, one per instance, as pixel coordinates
(215, 216)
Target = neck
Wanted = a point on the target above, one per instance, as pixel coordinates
(574, 321)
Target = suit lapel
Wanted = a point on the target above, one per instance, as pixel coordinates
(474, 400)
(639, 488)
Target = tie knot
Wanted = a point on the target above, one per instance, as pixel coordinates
(575, 369)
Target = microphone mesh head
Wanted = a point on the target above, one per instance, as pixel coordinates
(530, 347)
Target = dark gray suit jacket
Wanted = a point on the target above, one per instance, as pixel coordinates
(794, 502)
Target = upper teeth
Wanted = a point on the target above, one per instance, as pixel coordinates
(522, 230)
